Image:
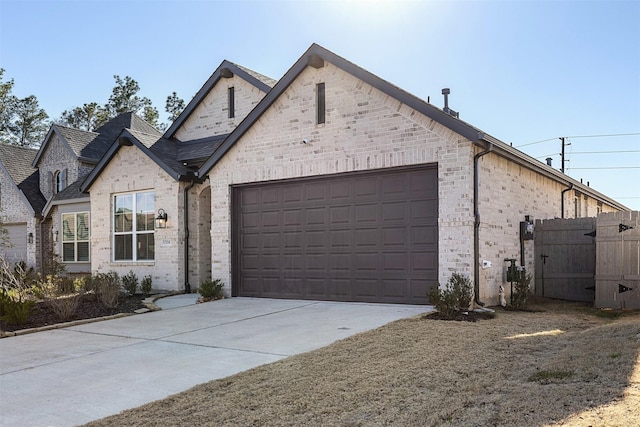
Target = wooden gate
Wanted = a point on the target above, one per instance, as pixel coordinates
(618, 260)
(565, 258)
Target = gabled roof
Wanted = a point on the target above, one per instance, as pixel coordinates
(177, 159)
(224, 70)
(90, 146)
(316, 55)
(18, 163)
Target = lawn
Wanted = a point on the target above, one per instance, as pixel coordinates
(564, 364)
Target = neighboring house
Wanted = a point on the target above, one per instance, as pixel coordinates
(20, 204)
(42, 207)
(332, 184)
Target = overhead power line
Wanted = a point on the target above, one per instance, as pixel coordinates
(610, 135)
(611, 167)
(591, 152)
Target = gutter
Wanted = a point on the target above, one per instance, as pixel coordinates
(562, 199)
(476, 225)
(187, 286)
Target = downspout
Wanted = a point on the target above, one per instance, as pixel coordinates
(476, 228)
(562, 199)
(187, 286)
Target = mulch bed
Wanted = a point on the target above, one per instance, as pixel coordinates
(89, 308)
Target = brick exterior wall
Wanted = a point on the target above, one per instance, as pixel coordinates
(365, 129)
(131, 171)
(15, 210)
(211, 116)
(57, 157)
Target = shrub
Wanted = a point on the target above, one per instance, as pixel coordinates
(64, 306)
(456, 296)
(15, 308)
(130, 282)
(107, 288)
(146, 285)
(521, 291)
(211, 289)
(16, 287)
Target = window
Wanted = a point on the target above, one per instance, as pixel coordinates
(232, 102)
(58, 182)
(577, 206)
(320, 104)
(133, 227)
(75, 237)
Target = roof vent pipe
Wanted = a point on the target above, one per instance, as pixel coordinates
(446, 91)
(549, 159)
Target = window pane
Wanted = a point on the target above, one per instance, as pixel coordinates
(83, 251)
(123, 207)
(83, 226)
(68, 228)
(146, 249)
(68, 252)
(123, 245)
(144, 221)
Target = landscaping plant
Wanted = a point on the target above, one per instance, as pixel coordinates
(16, 300)
(456, 296)
(211, 289)
(146, 285)
(521, 291)
(107, 288)
(130, 282)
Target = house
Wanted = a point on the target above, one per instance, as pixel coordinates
(20, 204)
(46, 214)
(330, 183)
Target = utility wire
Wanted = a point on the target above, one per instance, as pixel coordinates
(591, 152)
(611, 167)
(580, 136)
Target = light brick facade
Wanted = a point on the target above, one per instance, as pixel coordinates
(211, 116)
(15, 212)
(132, 171)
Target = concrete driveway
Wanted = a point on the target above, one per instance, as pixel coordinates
(71, 376)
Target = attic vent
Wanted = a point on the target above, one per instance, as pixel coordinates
(315, 61)
(226, 73)
(446, 91)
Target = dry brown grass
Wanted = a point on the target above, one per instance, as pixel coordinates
(563, 366)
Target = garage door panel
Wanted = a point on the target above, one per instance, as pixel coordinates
(363, 237)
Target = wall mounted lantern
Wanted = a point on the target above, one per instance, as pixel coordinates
(30, 238)
(161, 219)
(55, 236)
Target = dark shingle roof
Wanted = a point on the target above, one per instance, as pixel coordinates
(264, 79)
(17, 161)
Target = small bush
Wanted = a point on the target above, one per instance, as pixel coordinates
(107, 288)
(64, 306)
(15, 308)
(521, 291)
(456, 296)
(211, 289)
(130, 282)
(60, 295)
(146, 285)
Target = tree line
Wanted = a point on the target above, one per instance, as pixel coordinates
(24, 123)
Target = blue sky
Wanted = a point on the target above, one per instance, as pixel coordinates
(521, 71)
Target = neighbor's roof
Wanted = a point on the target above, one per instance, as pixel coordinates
(18, 163)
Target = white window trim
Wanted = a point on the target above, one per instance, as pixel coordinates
(133, 232)
(75, 241)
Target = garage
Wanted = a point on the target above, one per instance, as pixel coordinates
(364, 236)
(17, 234)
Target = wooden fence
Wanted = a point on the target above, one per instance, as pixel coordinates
(617, 273)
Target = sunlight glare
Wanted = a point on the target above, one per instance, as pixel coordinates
(536, 334)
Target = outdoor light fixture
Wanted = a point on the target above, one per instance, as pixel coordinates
(161, 219)
(30, 238)
(55, 236)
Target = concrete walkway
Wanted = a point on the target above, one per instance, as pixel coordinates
(70, 376)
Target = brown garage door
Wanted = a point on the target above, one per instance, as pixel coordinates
(370, 237)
